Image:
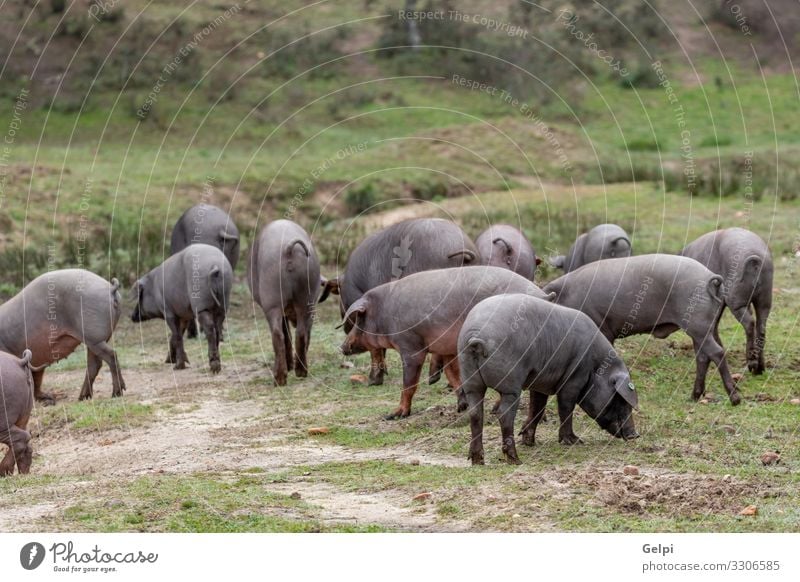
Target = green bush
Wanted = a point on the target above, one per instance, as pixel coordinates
(361, 198)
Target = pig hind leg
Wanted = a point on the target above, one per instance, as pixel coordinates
(93, 364)
(302, 340)
(763, 307)
(103, 352)
(287, 339)
(45, 398)
(275, 319)
(745, 317)
(209, 325)
(474, 392)
(506, 414)
(19, 452)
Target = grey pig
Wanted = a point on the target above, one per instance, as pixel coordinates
(604, 241)
(16, 396)
(743, 260)
(423, 313)
(196, 282)
(512, 342)
(411, 246)
(656, 294)
(283, 276)
(54, 314)
(209, 225)
(502, 245)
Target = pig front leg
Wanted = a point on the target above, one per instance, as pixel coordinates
(474, 392)
(566, 406)
(538, 401)
(19, 452)
(412, 370)
(45, 398)
(743, 315)
(176, 342)
(209, 326)
(707, 349)
(102, 353)
(377, 368)
(7, 464)
(453, 373)
(506, 414)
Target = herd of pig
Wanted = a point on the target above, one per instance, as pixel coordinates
(419, 287)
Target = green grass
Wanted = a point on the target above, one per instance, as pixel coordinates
(97, 415)
(199, 503)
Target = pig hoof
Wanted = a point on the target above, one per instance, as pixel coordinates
(736, 398)
(46, 399)
(170, 359)
(528, 439)
(397, 414)
(375, 380)
(476, 459)
(513, 460)
(697, 395)
(570, 440)
(215, 366)
(434, 378)
(280, 381)
(180, 366)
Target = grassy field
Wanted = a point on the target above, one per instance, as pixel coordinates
(184, 451)
(314, 111)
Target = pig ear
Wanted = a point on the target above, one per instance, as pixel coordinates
(355, 310)
(136, 290)
(625, 388)
(328, 286)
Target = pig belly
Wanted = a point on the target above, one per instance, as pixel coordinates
(443, 342)
(50, 347)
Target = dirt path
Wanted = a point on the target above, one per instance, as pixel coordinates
(201, 431)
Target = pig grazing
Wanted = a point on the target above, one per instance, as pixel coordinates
(209, 225)
(283, 275)
(423, 313)
(604, 241)
(511, 342)
(411, 246)
(743, 260)
(656, 294)
(502, 245)
(195, 283)
(54, 314)
(16, 399)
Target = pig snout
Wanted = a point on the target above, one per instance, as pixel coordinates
(351, 347)
(625, 430)
(136, 316)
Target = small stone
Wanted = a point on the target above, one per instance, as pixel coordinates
(306, 473)
(630, 470)
(347, 364)
(770, 458)
(516, 516)
(358, 379)
(795, 401)
(295, 495)
(749, 510)
(414, 462)
(728, 428)
(737, 377)
(424, 496)
(703, 401)
(319, 430)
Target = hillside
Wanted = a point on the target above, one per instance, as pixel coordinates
(130, 112)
